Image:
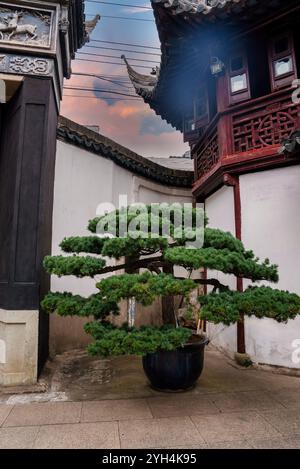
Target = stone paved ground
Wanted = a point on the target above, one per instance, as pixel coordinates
(229, 408)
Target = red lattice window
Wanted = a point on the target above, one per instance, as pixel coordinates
(207, 156)
(266, 127)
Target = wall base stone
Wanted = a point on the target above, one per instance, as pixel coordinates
(18, 347)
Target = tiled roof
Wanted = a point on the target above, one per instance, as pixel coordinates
(179, 163)
(93, 142)
(194, 6)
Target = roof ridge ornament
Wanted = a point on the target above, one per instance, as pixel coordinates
(193, 6)
(91, 25)
(140, 81)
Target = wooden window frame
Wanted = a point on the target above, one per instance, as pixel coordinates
(191, 122)
(241, 95)
(189, 118)
(204, 120)
(287, 78)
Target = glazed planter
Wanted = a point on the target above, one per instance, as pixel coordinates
(178, 370)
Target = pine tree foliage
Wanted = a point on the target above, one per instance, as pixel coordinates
(145, 287)
(80, 266)
(262, 302)
(110, 340)
(223, 260)
(153, 244)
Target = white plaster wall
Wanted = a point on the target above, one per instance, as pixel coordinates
(148, 192)
(84, 180)
(271, 227)
(220, 210)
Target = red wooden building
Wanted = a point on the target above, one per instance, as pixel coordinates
(227, 81)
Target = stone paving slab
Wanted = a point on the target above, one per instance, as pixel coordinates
(287, 421)
(117, 410)
(18, 438)
(279, 443)
(159, 433)
(102, 435)
(288, 397)
(243, 444)
(178, 406)
(234, 426)
(49, 413)
(245, 400)
(4, 412)
(198, 446)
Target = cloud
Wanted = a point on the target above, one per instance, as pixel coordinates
(134, 10)
(130, 123)
(124, 122)
(154, 126)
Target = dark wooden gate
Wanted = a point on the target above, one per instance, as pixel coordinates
(27, 163)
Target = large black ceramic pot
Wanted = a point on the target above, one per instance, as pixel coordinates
(177, 370)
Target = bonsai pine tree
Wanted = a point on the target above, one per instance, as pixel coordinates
(147, 268)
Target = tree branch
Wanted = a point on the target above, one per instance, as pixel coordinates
(210, 281)
(142, 263)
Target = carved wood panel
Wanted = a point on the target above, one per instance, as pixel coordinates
(264, 127)
(207, 156)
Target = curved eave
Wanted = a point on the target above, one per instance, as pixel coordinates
(144, 85)
(149, 87)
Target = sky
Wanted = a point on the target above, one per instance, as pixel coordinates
(125, 119)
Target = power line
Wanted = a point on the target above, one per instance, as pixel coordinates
(98, 97)
(125, 18)
(125, 44)
(120, 4)
(99, 90)
(100, 77)
(110, 63)
(121, 78)
(116, 57)
(122, 50)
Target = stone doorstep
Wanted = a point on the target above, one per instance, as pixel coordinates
(19, 347)
(40, 387)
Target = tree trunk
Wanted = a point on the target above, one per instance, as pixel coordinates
(131, 302)
(168, 303)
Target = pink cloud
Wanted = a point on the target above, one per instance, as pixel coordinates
(121, 122)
